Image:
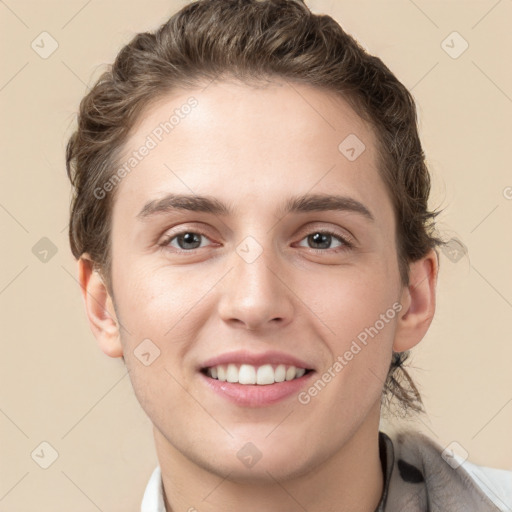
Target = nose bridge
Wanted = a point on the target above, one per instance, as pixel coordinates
(254, 294)
(253, 270)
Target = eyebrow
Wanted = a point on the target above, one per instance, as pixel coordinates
(300, 204)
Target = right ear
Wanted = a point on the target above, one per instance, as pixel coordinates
(99, 308)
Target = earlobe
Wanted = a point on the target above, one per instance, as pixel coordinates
(99, 308)
(419, 303)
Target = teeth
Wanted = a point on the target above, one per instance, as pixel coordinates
(290, 373)
(249, 374)
(280, 373)
(232, 373)
(221, 373)
(265, 375)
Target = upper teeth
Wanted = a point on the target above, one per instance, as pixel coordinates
(248, 374)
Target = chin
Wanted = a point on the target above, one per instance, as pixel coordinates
(263, 472)
(265, 460)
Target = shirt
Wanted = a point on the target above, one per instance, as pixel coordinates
(419, 476)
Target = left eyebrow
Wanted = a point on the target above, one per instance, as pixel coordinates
(326, 202)
(299, 204)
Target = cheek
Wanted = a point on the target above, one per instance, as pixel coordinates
(351, 300)
(359, 311)
(154, 302)
(156, 309)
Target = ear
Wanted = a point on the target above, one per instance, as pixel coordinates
(418, 301)
(99, 307)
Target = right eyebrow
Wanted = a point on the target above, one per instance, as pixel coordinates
(173, 202)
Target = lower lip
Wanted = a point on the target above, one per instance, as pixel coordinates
(252, 395)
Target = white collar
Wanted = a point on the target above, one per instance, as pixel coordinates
(153, 500)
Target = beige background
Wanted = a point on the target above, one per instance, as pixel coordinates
(56, 385)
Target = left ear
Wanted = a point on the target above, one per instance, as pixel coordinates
(418, 301)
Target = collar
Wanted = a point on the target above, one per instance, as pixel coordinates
(387, 461)
(418, 476)
(153, 500)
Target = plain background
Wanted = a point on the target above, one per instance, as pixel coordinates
(58, 387)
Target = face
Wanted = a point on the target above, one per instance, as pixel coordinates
(246, 245)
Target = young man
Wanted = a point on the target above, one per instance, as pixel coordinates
(251, 224)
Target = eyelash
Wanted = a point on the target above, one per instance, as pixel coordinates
(347, 244)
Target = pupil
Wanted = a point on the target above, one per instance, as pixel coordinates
(189, 239)
(322, 239)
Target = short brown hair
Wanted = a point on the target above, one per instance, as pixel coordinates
(252, 41)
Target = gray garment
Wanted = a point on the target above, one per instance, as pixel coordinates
(418, 479)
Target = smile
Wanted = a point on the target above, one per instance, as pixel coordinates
(254, 375)
(250, 379)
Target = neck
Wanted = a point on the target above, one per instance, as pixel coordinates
(349, 480)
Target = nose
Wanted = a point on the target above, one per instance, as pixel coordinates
(255, 295)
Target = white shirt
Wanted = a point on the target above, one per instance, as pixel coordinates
(153, 500)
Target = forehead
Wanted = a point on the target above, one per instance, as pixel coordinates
(234, 140)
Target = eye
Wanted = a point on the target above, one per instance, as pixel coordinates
(322, 240)
(185, 241)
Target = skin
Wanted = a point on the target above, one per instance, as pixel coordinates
(253, 148)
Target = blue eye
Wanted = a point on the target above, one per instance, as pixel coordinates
(322, 240)
(186, 241)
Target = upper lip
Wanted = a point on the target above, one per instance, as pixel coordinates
(255, 359)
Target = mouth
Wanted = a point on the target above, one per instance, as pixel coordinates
(249, 379)
(248, 374)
